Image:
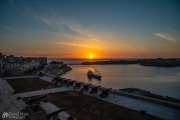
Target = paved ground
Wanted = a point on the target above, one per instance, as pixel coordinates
(157, 110)
(154, 109)
(49, 107)
(40, 92)
(150, 108)
(19, 77)
(46, 78)
(11, 104)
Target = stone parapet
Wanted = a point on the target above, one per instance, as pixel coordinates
(157, 101)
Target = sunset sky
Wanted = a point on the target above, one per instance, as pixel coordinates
(90, 28)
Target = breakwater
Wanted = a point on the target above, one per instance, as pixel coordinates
(110, 62)
(159, 62)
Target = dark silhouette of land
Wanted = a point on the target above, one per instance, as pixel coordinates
(159, 62)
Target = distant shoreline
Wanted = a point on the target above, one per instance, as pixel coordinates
(143, 62)
(159, 62)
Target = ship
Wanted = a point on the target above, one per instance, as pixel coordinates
(90, 74)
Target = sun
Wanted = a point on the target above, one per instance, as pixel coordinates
(90, 56)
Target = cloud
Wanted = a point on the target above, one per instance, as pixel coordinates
(166, 36)
(142, 49)
(102, 41)
(11, 1)
(49, 32)
(80, 45)
(83, 33)
(74, 32)
(8, 28)
(59, 23)
(132, 49)
(13, 4)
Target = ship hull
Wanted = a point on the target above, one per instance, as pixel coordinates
(91, 75)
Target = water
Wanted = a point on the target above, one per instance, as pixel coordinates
(159, 80)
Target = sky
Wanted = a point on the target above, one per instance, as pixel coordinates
(90, 28)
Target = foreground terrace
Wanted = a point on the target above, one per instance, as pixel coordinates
(72, 99)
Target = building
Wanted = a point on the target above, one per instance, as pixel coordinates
(15, 66)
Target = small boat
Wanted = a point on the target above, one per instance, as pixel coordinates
(90, 74)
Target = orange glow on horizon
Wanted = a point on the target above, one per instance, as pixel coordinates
(92, 54)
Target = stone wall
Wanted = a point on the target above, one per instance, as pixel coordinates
(161, 102)
(1, 107)
(172, 99)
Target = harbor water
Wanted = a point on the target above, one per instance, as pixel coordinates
(159, 80)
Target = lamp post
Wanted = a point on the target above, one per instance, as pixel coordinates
(114, 93)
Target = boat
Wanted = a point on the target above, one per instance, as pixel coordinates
(90, 74)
